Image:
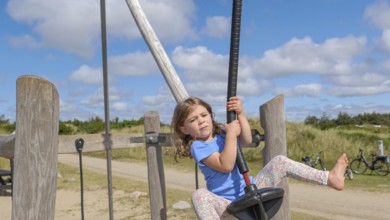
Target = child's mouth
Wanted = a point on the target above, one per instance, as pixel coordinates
(204, 128)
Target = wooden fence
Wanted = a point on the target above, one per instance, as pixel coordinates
(36, 145)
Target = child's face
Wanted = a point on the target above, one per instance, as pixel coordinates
(198, 124)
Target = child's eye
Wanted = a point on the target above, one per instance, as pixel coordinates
(192, 120)
(205, 115)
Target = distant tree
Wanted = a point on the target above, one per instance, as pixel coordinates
(3, 120)
(325, 122)
(65, 129)
(343, 119)
(311, 120)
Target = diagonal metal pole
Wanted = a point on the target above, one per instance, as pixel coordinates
(107, 135)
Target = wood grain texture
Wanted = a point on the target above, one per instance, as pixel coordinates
(36, 145)
(272, 120)
(7, 146)
(156, 177)
(157, 51)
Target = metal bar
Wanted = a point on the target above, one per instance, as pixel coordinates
(107, 136)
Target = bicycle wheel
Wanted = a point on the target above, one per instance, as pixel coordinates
(348, 173)
(381, 168)
(358, 166)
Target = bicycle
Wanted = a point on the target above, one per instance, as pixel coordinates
(379, 164)
(308, 160)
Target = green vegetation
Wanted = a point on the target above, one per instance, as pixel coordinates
(5, 125)
(96, 125)
(344, 119)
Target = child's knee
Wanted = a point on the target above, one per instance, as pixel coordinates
(280, 158)
(198, 194)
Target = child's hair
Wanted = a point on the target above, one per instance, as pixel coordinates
(182, 110)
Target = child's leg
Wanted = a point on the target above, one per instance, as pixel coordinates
(281, 166)
(207, 205)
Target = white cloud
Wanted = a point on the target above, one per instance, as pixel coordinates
(133, 64)
(357, 79)
(119, 106)
(385, 40)
(171, 19)
(87, 75)
(334, 56)
(217, 26)
(24, 41)
(117, 98)
(95, 100)
(55, 21)
(70, 111)
(200, 63)
(208, 71)
(359, 90)
(74, 26)
(379, 14)
(310, 90)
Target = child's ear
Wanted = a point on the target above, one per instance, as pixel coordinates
(183, 130)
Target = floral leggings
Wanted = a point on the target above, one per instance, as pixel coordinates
(211, 206)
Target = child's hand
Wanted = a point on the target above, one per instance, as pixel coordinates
(234, 104)
(233, 128)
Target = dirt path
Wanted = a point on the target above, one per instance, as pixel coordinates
(307, 198)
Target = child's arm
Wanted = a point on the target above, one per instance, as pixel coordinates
(235, 104)
(225, 161)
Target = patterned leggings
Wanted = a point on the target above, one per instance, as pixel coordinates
(208, 205)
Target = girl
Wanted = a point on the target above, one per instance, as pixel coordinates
(214, 148)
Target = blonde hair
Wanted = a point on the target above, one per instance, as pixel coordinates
(182, 110)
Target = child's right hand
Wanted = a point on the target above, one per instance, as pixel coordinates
(233, 128)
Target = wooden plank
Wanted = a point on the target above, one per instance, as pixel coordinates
(156, 179)
(7, 146)
(272, 119)
(36, 144)
(157, 51)
(94, 142)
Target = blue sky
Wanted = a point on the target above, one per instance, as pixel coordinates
(324, 56)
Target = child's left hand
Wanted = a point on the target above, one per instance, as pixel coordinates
(234, 104)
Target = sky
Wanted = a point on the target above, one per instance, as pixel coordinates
(323, 56)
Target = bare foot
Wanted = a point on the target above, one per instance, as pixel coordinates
(336, 175)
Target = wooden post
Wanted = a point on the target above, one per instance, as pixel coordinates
(156, 179)
(35, 160)
(272, 120)
(7, 146)
(157, 51)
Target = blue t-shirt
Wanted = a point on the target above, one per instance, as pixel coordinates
(228, 185)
